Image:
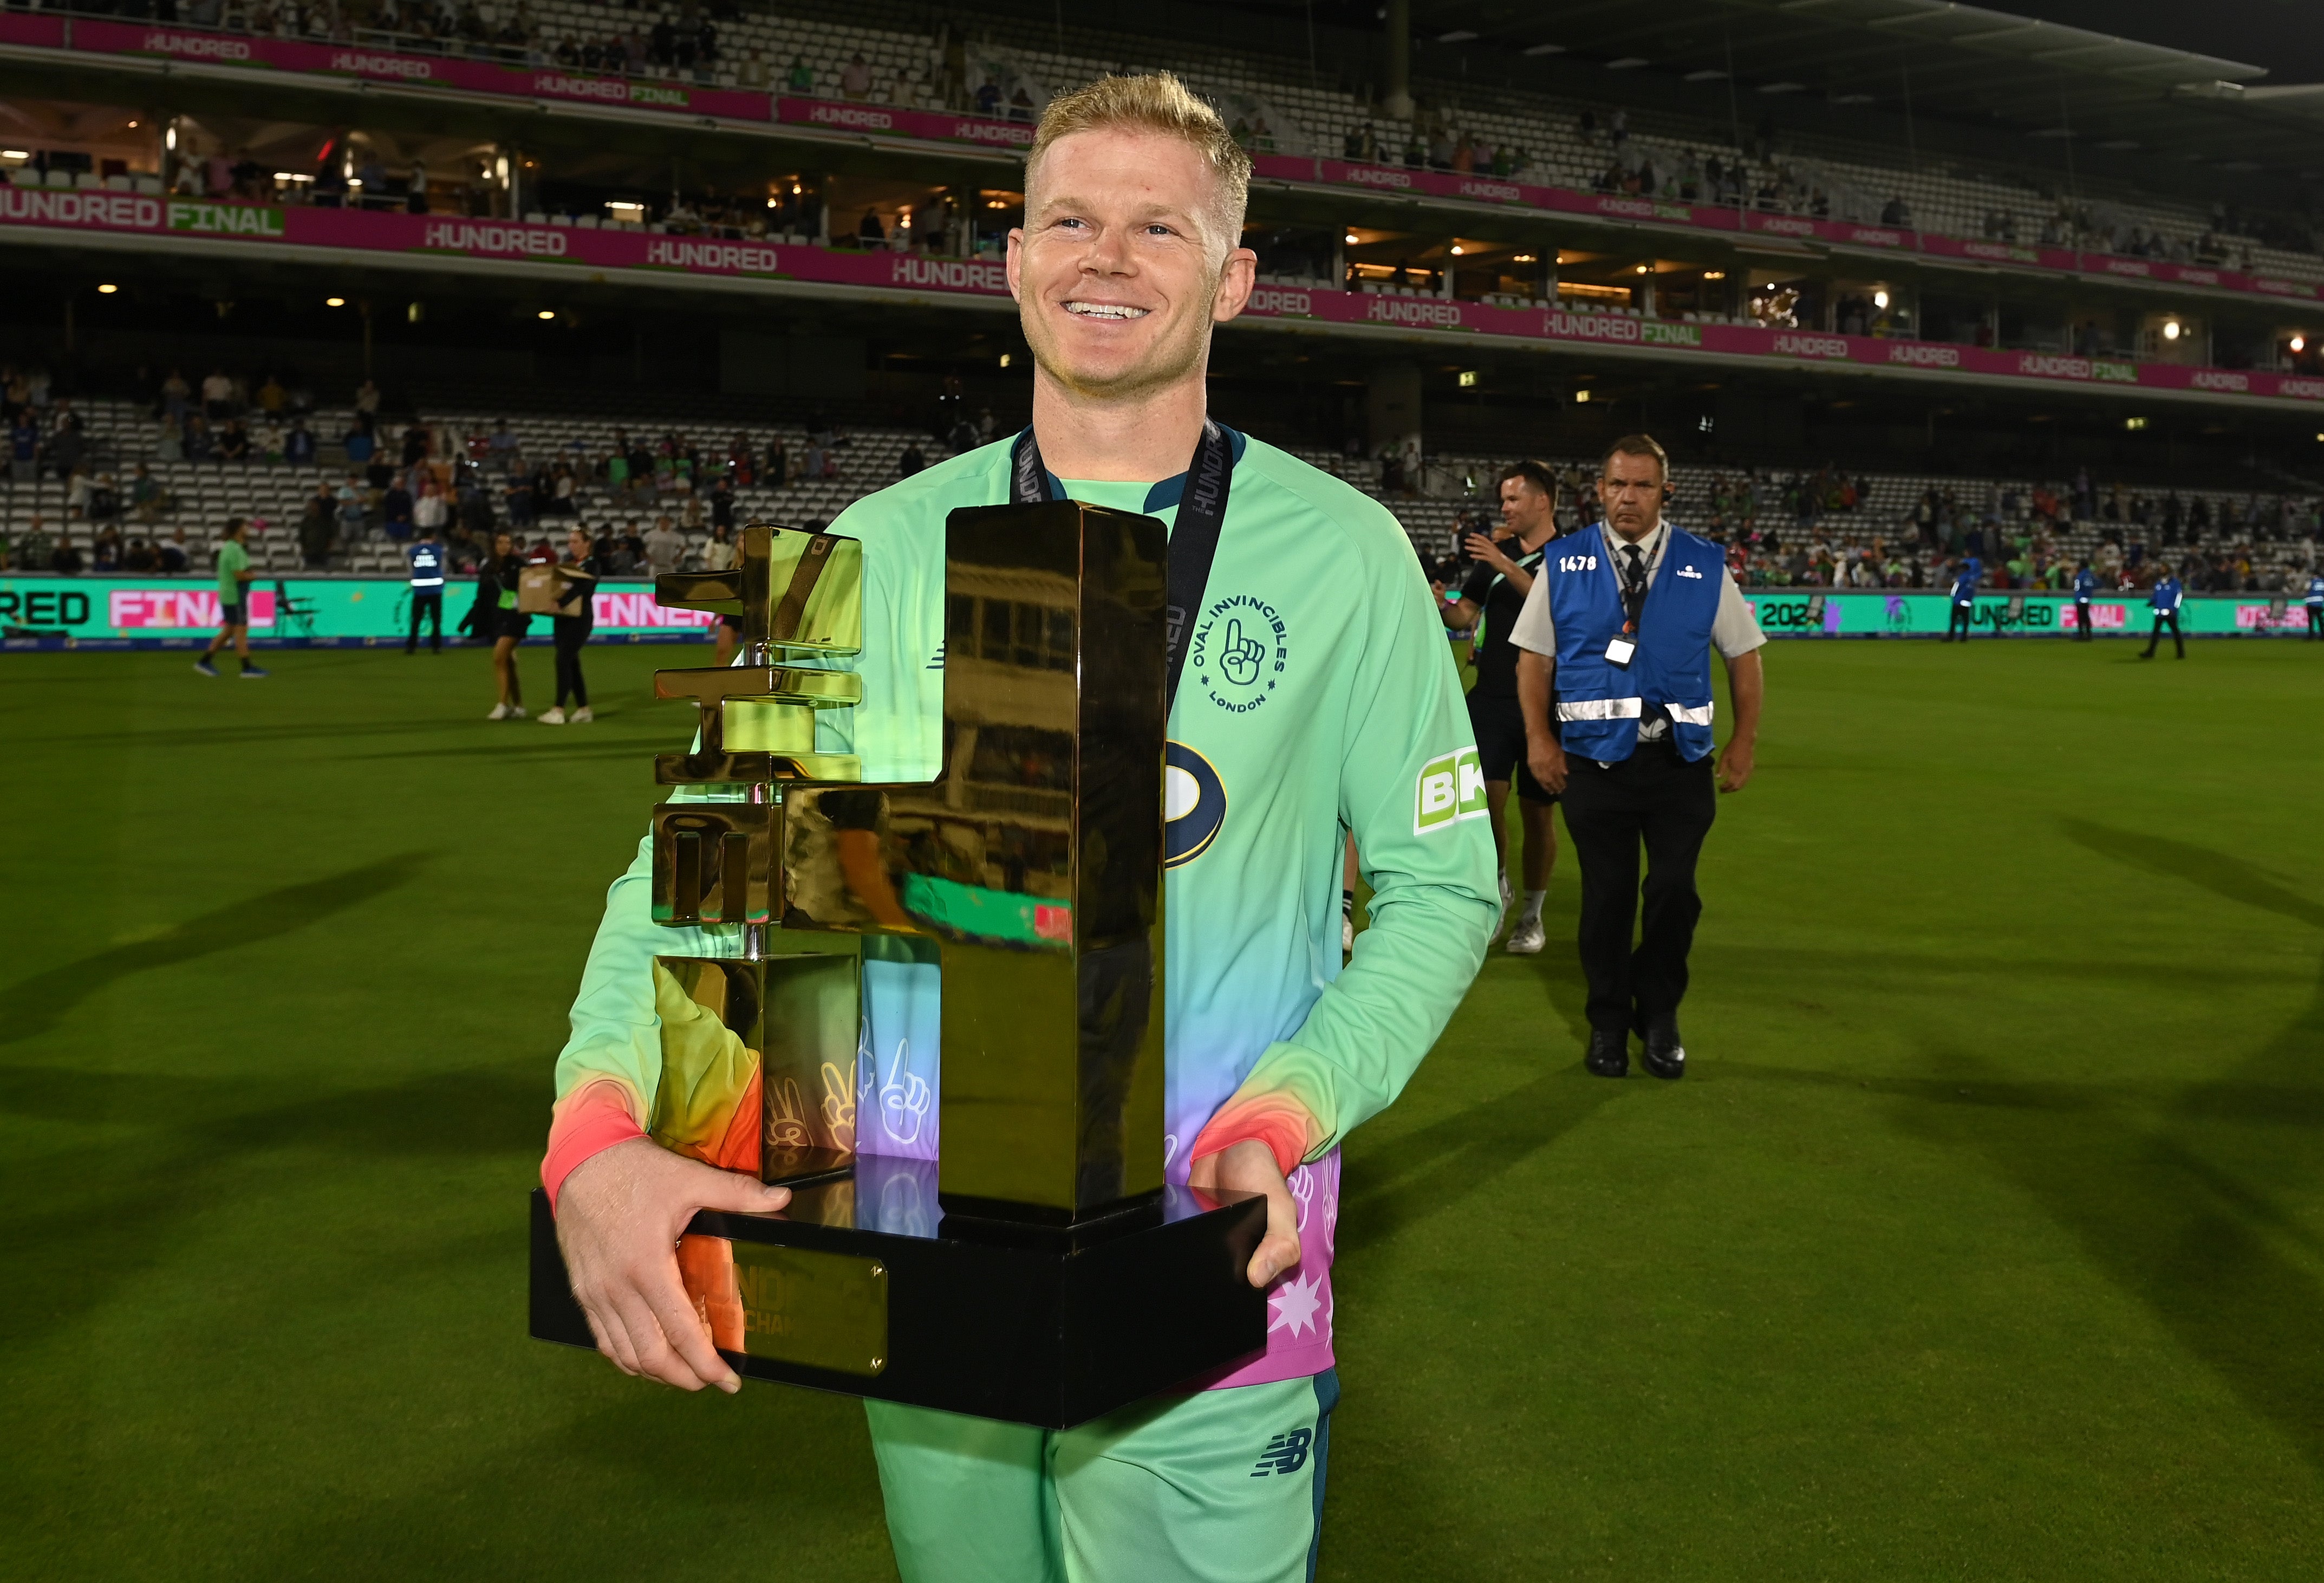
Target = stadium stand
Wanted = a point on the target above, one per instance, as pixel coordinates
(1787, 529)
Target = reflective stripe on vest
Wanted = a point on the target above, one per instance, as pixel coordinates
(1602, 708)
(1690, 717)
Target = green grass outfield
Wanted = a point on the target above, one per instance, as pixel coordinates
(1984, 1240)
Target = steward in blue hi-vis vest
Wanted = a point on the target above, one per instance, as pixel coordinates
(1972, 572)
(1599, 703)
(2315, 591)
(2085, 583)
(427, 559)
(2165, 597)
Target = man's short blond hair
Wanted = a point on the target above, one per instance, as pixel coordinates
(1154, 102)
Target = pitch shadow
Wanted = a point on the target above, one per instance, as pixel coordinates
(32, 1006)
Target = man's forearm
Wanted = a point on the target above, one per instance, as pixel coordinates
(1534, 675)
(1746, 682)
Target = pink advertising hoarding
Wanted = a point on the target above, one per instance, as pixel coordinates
(169, 608)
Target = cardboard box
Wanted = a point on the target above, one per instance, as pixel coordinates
(537, 590)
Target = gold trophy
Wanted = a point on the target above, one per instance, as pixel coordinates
(1038, 1269)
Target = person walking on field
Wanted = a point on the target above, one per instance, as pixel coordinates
(1339, 710)
(1616, 688)
(1963, 618)
(2165, 599)
(2315, 603)
(576, 617)
(499, 620)
(1496, 592)
(234, 607)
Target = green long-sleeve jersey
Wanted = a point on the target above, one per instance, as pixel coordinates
(1318, 700)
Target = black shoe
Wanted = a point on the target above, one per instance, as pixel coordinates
(1610, 1052)
(1664, 1056)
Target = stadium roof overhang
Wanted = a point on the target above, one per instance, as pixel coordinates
(1962, 62)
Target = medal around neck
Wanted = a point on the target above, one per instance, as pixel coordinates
(1038, 1269)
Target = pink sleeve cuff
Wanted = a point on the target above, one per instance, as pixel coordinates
(1277, 1120)
(588, 1122)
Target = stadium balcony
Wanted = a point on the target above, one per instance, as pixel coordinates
(1527, 151)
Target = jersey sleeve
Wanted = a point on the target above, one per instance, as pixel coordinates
(1429, 861)
(609, 1073)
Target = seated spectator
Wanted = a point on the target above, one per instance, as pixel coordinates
(663, 548)
(299, 445)
(147, 498)
(35, 549)
(24, 445)
(911, 462)
(316, 525)
(869, 231)
(174, 556)
(855, 78)
(66, 559)
(801, 78)
(232, 443)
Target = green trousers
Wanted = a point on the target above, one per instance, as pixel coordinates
(1218, 1487)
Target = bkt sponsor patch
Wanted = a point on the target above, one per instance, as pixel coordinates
(1450, 790)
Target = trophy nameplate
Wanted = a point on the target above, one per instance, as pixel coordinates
(1038, 1269)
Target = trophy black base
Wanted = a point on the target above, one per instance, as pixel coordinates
(864, 1286)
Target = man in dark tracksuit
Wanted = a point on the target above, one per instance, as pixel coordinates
(1618, 629)
(2165, 600)
(1963, 616)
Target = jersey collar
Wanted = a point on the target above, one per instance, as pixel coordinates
(1170, 491)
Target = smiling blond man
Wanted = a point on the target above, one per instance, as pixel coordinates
(1316, 695)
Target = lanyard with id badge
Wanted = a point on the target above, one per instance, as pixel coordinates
(1620, 649)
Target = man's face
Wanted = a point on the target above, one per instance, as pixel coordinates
(1526, 511)
(1118, 271)
(1631, 490)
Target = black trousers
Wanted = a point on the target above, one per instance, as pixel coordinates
(2316, 621)
(431, 605)
(571, 634)
(2170, 619)
(2082, 615)
(1962, 620)
(1656, 799)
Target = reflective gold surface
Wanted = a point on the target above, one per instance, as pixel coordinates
(712, 863)
(794, 1305)
(1035, 858)
(801, 592)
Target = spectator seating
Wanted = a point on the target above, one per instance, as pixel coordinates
(274, 495)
